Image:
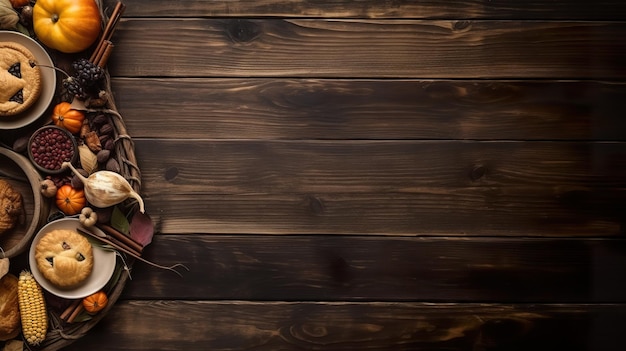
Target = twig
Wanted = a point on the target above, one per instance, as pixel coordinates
(106, 241)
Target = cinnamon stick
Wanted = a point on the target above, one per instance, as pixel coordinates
(127, 240)
(108, 30)
(97, 54)
(75, 313)
(102, 61)
(115, 16)
(68, 311)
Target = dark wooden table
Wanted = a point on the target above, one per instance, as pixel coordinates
(376, 175)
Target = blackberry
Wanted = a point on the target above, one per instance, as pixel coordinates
(73, 87)
(87, 73)
(86, 79)
(16, 70)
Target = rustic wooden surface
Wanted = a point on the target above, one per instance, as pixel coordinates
(432, 175)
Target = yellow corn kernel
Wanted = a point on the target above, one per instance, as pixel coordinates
(32, 309)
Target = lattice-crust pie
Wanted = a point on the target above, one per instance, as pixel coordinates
(20, 79)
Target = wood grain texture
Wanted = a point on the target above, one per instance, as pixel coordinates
(375, 175)
(440, 269)
(369, 49)
(228, 325)
(385, 187)
(244, 108)
(506, 9)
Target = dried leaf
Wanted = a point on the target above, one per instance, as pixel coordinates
(93, 141)
(119, 221)
(78, 104)
(88, 160)
(142, 228)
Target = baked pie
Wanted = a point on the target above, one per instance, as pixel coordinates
(20, 79)
(64, 258)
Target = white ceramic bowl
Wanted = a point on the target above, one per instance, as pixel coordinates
(103, 267)
(48, 80)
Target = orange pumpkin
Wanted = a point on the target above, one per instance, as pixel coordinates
(70, 200)
(67, 25)
(95, 302)
(65, 117)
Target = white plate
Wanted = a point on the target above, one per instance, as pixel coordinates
(103, 265)
(48, 80)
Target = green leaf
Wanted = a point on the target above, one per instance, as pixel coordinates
(21, 28)
(82, 317)
(119, 221)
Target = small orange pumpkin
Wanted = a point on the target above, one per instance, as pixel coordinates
(65, 117)
(70, 200)
(19, 3)
(95, 302)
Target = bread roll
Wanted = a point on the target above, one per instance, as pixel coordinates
(9, 308)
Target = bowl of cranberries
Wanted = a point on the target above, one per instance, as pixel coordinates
(49, 147)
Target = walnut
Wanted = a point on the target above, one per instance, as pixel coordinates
(11, 206)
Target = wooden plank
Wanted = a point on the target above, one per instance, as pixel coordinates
(441, 212)
(385, 187)
(369, 49)
(504, 9)
(244, 167)
(372, 109)
(236, 325)
(361, 268)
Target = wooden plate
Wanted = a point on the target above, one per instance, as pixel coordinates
(19, 172)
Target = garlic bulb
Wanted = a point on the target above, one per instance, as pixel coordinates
(106, 188)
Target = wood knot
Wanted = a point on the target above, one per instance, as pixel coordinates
(316, 205)
(242, 31)
(171, 173)
(477, 172)
(461, 25)
(340, 270)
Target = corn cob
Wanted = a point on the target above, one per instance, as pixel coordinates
(32, 309)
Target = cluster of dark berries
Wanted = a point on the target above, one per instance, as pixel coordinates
(86, 79)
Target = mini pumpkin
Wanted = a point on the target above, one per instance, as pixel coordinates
(70, 200)
(66, 117)
(19, 3)
(95, 302)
